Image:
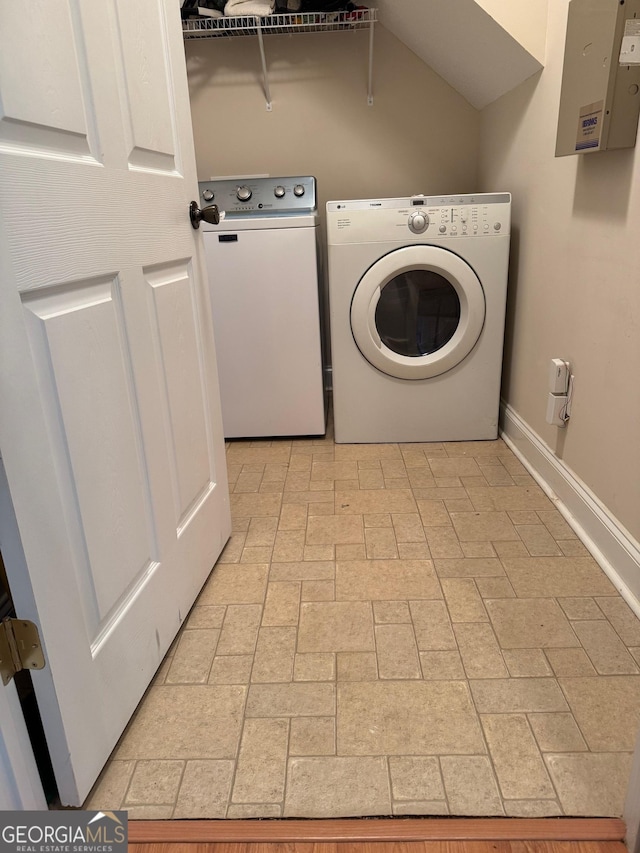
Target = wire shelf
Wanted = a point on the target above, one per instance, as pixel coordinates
(298, 22)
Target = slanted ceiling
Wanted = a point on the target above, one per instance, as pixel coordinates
(480, 54)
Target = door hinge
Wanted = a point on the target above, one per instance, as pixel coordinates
(20, 648)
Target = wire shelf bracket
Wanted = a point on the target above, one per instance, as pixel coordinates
(265, 73)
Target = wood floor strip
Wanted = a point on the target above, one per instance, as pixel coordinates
(390, 847)
(411, 829)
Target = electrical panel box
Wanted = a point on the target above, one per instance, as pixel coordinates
(600, 97)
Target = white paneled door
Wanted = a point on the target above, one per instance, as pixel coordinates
(110, 426)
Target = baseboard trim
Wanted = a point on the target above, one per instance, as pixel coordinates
(615, 550)
(388, 829)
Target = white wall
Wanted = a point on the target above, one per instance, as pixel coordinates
(525, 20)
(575, 282)
(470, 47)
(420, 135)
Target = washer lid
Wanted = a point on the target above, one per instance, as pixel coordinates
(417, 312)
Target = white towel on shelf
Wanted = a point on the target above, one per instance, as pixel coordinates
(259, 8)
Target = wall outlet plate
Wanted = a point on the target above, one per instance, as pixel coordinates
(559, 376)
(557, 409)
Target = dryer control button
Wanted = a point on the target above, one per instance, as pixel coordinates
(207, 195)
(279, 191)
(298, 190)
(443, 229)
(243, 193)
(497, 226)
(418, 222)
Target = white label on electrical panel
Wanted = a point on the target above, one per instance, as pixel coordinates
(589, 125)
(630, 49)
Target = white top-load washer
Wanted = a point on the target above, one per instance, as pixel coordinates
(262, 261)
(417, 294)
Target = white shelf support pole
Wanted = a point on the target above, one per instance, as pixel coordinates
(265, 76)
(370, 88)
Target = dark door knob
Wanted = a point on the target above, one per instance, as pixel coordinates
(209, 214)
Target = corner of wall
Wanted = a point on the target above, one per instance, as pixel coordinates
(524, 20)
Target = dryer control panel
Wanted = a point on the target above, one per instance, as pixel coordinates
(419, 218)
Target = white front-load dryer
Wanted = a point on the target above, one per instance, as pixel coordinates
(417, 293)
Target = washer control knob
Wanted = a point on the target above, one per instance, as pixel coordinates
(443, 229)
(298, 190)
(418, 222)
(207, 195)
(243, 193)
(279, 192)
(497, 226)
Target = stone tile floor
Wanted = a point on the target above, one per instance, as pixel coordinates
(392, 629)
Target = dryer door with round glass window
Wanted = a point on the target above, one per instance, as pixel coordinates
(417, 312)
